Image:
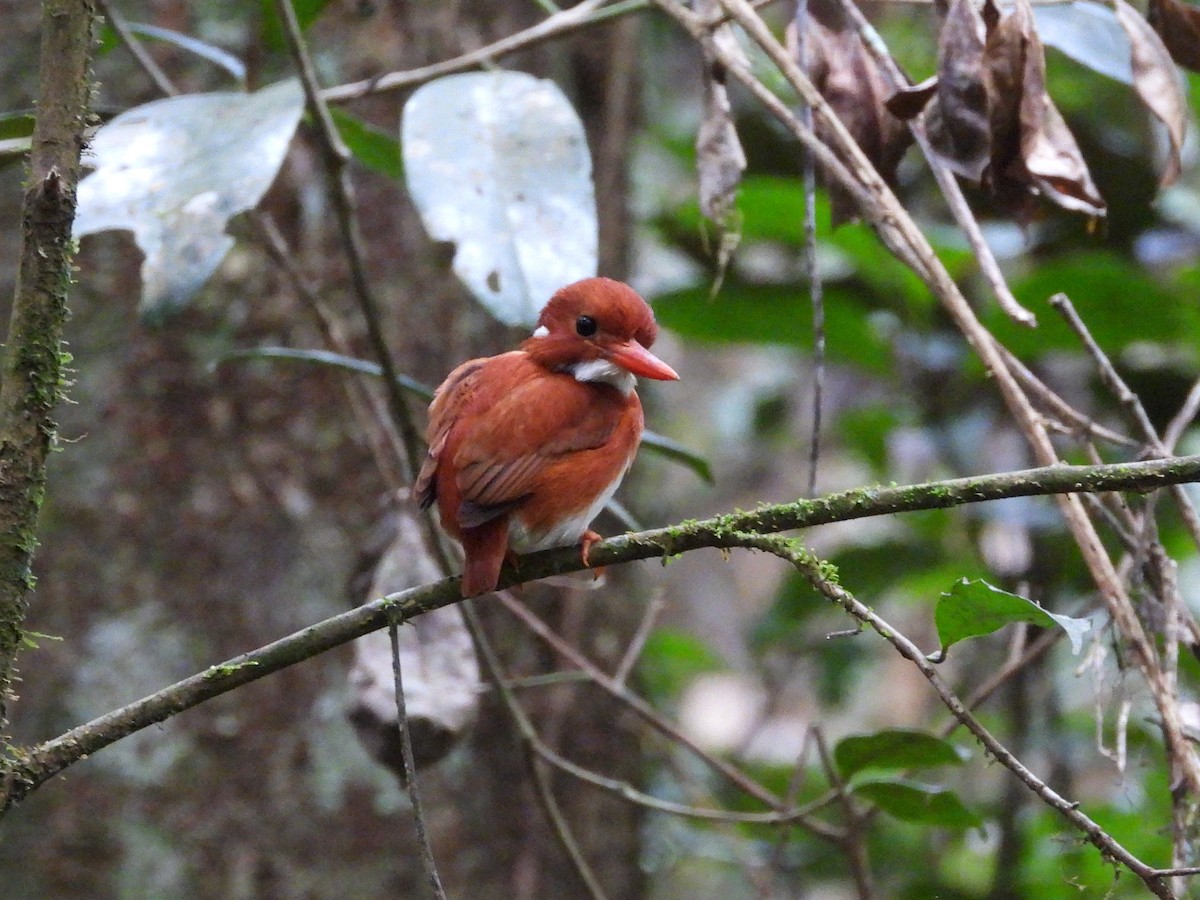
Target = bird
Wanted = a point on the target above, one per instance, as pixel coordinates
(526, 447)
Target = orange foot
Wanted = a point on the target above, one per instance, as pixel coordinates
(589, 538)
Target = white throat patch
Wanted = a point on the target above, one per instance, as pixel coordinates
(541, 331)
(605, 372)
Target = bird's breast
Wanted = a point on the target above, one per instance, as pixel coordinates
(536, 528)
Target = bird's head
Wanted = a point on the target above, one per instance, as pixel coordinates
(598, 330)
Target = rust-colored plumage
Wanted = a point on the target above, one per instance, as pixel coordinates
(525, 448)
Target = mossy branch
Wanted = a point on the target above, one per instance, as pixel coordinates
(33, 365)
(34, 766)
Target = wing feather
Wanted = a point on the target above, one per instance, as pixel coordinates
(452, 396)
(513, 438)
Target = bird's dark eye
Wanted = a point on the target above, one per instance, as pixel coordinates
(585, 326)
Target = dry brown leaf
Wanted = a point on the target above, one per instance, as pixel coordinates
(958, 124)
(851, 82)
(993, 122)
(720, 159)
(1178, 24)
(1048, 149)
(1004, 75)
(1052, 158)
(908, 102)
(1157, 83)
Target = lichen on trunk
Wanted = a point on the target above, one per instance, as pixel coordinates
(34, 361)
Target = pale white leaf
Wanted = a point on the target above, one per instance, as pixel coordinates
(497, 164)
(175, 171)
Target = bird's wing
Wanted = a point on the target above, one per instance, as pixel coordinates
(451, 398)
(514, 436)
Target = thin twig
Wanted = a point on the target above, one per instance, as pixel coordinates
(365, 404)
(410, 770)
(815, 292)
(658, 602)
(336, 159)
(854, 843)
(1112, 380)
(635, 703)
(129, 40)
(567, 21)
(1182, 419)
(783, 814)
(557, 25)
(558, 822)
(795, 783)
(1136, 413)
(1075, 421)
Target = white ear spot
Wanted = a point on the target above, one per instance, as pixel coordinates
(541, 331)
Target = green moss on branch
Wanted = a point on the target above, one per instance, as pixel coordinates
(33, 368)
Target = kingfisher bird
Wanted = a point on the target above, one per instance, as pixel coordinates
(526, 448)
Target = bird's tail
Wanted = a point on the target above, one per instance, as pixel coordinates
(484, 548)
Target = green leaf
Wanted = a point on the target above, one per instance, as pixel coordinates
(106, 40)
(896, 749)
(16, 125)
(974, 608)
(671, 659)
(16, 130)
(374, 148)
(775, 314)
(912, 801)
(272, 29)
(30, 639)
(673, 450)
(221, 58)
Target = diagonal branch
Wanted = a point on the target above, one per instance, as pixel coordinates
(811, 568)
(336, 158)
(845, 162)
(32, 767)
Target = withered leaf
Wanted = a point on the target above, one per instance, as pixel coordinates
(992, 120)
(1178, 24)
(720, 159)
(1052, 157)
(854, 86)
(1048, 149)
(908, 102)
(1157, 83)
(958, 125)
(441, 674)
(1004, 75)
